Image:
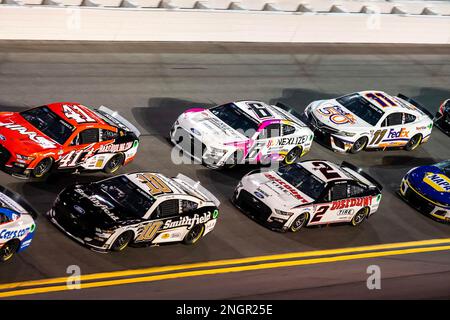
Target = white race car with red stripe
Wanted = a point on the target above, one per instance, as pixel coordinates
(307, 193)
(369, 120)
(241, 132)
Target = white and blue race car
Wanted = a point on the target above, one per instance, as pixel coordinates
(17, 224)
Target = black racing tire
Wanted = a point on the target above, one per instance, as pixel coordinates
(9, 249)
(122, 241)
(359, 145)
(43, 168)
(293, 155)
(360, 216)
(114, 163)
(299, 222)
(414, 142)
(195, 234)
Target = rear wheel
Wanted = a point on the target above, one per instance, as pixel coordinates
(300, 222)
(42, 168)
(359, 145)
(360, 216)
(293, 155)
(195, 234)
(8, 250)
(414, 142)
(122, 241)
(114, 163)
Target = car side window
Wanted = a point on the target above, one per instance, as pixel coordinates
(188, 206)
(339, 191)
(86, 137)
(3, 218)
(355, 190)
(393, 119)
(168, 208)
(409, 118)
(108, 135)
(271, 131)
(287, 129)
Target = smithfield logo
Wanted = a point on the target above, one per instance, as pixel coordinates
(195, 131)
(79, 209)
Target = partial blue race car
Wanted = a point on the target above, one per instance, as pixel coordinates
(427, 188)
(17, 225)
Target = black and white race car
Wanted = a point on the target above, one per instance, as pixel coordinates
(442, 118)
(308, 193)
(136, 209)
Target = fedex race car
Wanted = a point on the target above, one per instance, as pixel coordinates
(65, 136)
(17, 225)
(136, 209)
(427, 188)
(369, 120)
(241, 132)
(442, 118)
(308, 193)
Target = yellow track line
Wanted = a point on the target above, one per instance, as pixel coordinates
(186, 274)
(218, 263)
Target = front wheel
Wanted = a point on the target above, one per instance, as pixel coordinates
(299, 222)
(293, 155)
(8, 250)
(114, 163)
(122, 241)
(194, 235)
(414, 142)
(360, 216)
(359, 145)
(42, 168)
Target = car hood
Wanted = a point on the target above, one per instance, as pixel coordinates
(270, 188)
(209, 129)
(95, 208)
(20, 136)
(346, 121)
(431, 182)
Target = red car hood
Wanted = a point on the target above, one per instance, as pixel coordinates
(19, 136)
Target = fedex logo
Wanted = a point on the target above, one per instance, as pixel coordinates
(402, 133)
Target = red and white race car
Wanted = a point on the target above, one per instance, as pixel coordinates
(65, 136)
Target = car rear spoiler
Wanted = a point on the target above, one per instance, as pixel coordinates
(197, 188)
(360, 172)
(120, 119)
(290, 113)
(19, 200)
(416, 104)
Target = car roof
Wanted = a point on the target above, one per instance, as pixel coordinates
(391, 103)
(57, 107)
(342, 175)
(275, 114)
(156, 184)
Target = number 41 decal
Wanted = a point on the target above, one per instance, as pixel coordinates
(76, 113)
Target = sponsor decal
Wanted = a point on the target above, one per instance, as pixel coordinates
(97, 203)
(351, 203)
(195, 131)
(259, 195)
(286, 187)
(2, 138)
(437, 181)
(188, 221)
(337, 115)
(79, 209)
(33, 136)
(114, 148)
(7, 235)
(402, 133)
(289, 141)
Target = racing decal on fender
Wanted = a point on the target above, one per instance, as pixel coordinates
(287, 187)
(437, 181)
(337, 115)
(188, 221)
(7, 235)
(113, 148)
(43, 142)
(350, 203)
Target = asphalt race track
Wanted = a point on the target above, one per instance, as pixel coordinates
(151, 84)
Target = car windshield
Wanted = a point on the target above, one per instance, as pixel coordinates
(235, 118)
(49, 123)
(133, 200)
(362, 108)
(302, 179)
(445, 167)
